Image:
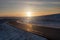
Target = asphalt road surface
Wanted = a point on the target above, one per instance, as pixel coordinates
(49, 33)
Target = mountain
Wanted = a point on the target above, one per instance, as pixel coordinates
(47, 20)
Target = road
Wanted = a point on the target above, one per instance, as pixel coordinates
(50, 33)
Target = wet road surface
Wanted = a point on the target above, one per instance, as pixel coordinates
(50, 33)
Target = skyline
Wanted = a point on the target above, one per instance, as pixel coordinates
(37, 7)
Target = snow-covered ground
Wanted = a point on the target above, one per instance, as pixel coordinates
(8, 32)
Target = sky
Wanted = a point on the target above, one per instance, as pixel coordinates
(36, 7)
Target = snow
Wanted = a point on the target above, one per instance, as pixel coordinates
(8, 32)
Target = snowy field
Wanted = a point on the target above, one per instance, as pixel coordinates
(8, 32)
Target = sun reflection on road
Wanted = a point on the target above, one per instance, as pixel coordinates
(29, 27)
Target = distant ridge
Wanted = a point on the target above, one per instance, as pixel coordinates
(52, 20)
(53, 15)
(47, 20)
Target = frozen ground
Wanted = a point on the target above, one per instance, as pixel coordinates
(8, 32)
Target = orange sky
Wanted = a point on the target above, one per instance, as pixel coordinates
(19, 8)
(17, 14)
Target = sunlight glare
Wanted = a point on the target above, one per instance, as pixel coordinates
(28, 14)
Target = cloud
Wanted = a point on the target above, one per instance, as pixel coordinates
(19, 4)
(47, 0)
(40, 2)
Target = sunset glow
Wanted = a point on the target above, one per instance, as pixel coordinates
(28, 14)
(22, 8)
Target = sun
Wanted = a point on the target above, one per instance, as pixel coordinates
(28, 14)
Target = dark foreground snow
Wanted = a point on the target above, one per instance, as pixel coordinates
(8, 32)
